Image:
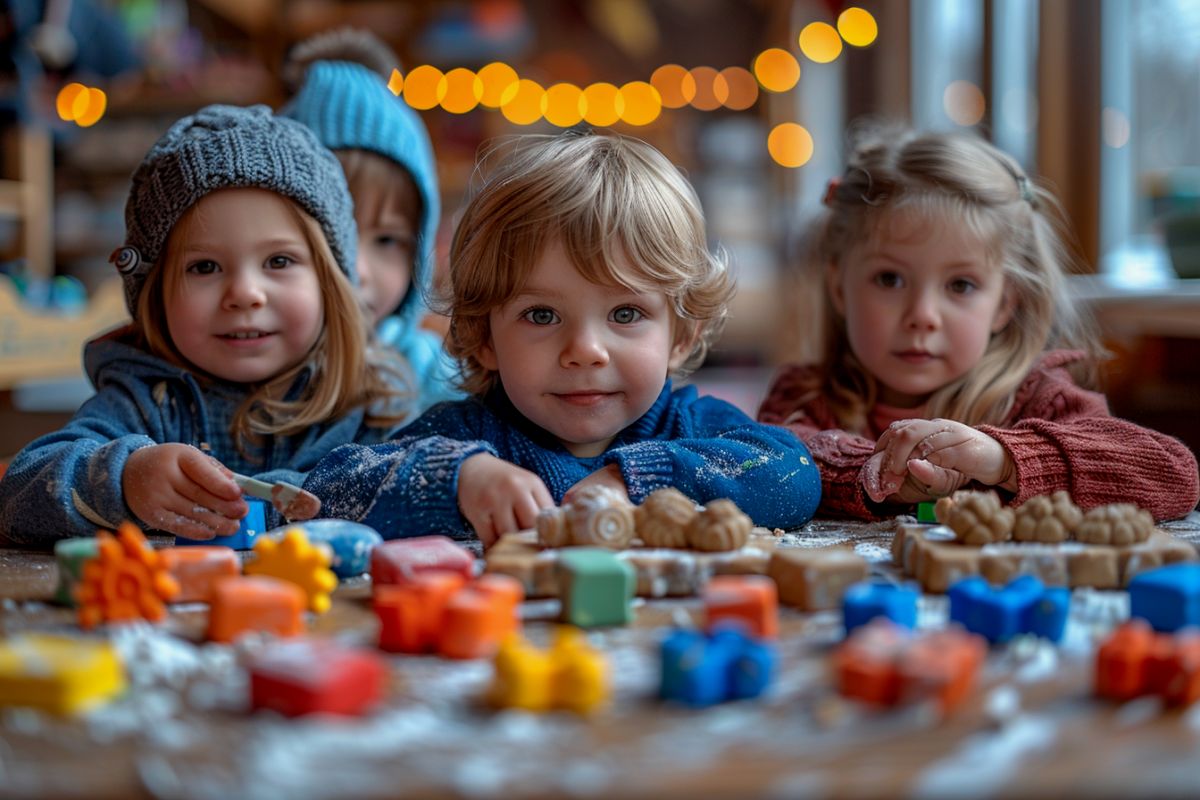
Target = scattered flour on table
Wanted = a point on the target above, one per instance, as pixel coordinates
(986, 760)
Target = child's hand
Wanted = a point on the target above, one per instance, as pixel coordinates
(177, 488)
(609, 476)
(884, 485)
(497, 497)
(941, 455)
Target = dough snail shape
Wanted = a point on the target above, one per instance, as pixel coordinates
(1048, 518)
(977, 518)
(597, 515)
(720, 526)
(664, 517)
(1116, 524)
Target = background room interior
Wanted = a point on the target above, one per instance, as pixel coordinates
(751, 97)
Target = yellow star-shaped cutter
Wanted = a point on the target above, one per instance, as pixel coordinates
(293, 558)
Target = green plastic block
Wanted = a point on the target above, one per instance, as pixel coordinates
(595, 587)
(925, 513)
(70, 555)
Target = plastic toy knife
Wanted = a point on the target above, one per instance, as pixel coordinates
(289, 500)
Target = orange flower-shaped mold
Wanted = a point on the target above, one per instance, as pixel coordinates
(293, 558)
(126, 580)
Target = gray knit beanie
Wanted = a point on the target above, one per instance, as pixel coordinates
(222, 147)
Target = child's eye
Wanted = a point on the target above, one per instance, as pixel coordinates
(962, 286)
(888, 280)
(388, 241)
(202, 268)
(279, 262)
(626, 315)
(540, 316)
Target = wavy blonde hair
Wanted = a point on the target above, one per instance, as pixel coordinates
(603, 196)
(347, 370)
(960, 178)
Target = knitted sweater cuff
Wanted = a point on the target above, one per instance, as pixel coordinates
(439, 479)
(1041, 464)
(102, 493)
(645, 468)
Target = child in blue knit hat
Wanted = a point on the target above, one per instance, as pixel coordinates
(385, 151)
(580, 282)
(247, 344)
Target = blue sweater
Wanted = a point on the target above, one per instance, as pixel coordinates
(68, 483)
(703, 446)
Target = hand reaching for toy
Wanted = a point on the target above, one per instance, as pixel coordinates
(497, 497)
(918, 459)
(609, 476)
(178, 489)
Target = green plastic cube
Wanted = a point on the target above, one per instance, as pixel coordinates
(595, 587)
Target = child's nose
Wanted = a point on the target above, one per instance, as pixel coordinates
(244, 290)
(923, 311)
(362, 266)
(584, 348)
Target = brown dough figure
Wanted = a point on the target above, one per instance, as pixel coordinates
(977, 518)
(600, 516)
(720, 526)
(1047, 518)
(1116, 524)
(552, 528)
(664, 517)
(597, 516)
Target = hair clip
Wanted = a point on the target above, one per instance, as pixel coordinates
(831, 191)
(1026, 190)
(127, 259)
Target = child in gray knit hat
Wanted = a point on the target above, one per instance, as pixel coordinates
(385, 152)
(247, 342)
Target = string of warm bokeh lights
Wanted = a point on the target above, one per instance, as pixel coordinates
(524, 102)
(83, 105)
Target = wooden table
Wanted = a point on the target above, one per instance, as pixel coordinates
(1031, 725)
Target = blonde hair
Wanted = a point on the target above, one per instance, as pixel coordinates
(347, 371)
(963, 178)
(603, 197)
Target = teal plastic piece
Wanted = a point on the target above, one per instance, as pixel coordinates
(595, 587)
(70, 554)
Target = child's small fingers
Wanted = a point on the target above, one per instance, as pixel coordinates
(938, 480)
(487, 537)
(206, 471)
(182, 510)
(199, 497)
(904, 437)
(189, 526)
(224, 470)
(504, 521)
(526, 512)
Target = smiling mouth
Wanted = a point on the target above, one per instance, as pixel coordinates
(244, 335)
(915, 355)
(583, 398)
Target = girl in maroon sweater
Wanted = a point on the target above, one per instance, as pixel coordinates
(953, 356)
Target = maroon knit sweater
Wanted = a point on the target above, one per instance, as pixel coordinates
(1060, 436)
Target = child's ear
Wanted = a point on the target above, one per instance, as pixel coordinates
(682, 348)
(487, 356)
(833, 285)
(1005, 311)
